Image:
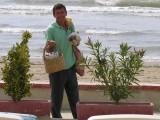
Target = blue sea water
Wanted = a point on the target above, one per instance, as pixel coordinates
(109, 21)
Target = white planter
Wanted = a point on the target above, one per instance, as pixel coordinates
(125, 117)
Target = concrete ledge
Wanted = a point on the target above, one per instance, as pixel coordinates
(94, 86)
(90, 92)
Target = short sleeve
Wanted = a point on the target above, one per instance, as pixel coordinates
(49, 34)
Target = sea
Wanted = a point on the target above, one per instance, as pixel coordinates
(112, 22)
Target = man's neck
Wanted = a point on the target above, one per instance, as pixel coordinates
(62, 24)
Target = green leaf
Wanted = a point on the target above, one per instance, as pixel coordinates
(16, 70)
(114, 70)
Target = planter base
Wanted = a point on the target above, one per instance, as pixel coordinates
(34, 107)
(88, 109)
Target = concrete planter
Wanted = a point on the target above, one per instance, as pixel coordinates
(34, 107)
(88, 109)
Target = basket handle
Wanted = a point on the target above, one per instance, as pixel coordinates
(45, 48)
(44, 51)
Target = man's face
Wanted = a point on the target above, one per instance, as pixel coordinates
(60, 15)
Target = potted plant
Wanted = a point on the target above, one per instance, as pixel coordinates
(116, 71)
(16, 78)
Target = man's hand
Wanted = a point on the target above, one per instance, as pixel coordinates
(52, 43)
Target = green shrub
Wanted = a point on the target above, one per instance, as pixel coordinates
(16, 68)
(115, 70)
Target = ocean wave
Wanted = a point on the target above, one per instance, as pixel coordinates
(21, 30)
(25, 9)
(112, 32)
(140, 3)
(151, 58)
(39, 9)
(106, 2)
(37, 53)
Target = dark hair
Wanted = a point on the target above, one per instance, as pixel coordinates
(58, 6)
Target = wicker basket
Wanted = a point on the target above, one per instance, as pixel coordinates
(55, 64)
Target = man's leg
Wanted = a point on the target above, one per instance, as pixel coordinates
(57, 81)
(72, 91)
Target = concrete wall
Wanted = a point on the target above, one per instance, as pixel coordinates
(140, 96)
(90, 93)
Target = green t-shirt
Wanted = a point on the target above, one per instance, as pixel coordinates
(59, 35)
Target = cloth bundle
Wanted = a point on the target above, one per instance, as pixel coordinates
(74, 39)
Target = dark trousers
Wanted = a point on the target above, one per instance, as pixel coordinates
(59, 81)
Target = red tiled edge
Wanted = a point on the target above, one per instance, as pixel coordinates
(93, 86)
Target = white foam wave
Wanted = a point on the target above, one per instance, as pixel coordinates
(37, 9)
(104, 2)
(25, 9)
(20, 30)
(110, 32)
(151, 58)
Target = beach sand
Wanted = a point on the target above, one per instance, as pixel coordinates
(150, 75)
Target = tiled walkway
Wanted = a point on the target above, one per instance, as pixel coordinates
(65, 114)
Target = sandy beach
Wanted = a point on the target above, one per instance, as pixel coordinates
(150, 75)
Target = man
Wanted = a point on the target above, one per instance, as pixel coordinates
(65, 79)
